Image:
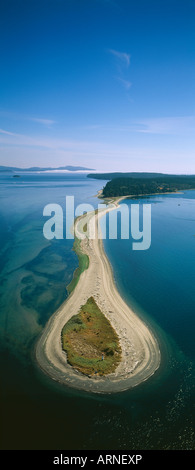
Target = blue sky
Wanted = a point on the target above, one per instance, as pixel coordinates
(107, 84)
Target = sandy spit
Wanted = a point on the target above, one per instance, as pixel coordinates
(140, 349)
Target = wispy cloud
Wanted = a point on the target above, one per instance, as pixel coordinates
(160, 125)
(14, 143)
(45, 122)
(123, 57)
(22, 140)
(122, 64)
(117, 150)
(126, 83)
(2, 131)
(19, 116)
(167, 125)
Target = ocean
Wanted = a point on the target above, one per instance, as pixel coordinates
(36, 412)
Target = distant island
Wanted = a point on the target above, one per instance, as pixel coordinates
(129, 184)
(110, 176)
(37, 168)
(141, 186)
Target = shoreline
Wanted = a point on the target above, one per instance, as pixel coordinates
(140, 349)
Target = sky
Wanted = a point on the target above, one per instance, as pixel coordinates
(105, 84)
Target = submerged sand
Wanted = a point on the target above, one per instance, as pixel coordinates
(140, 349)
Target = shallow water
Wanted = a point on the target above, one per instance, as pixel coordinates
(35, 411)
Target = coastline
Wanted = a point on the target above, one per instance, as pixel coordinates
(140, 350)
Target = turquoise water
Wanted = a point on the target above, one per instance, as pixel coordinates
(37, 413)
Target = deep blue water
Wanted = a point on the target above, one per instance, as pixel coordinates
(161, 280)
(37, 413)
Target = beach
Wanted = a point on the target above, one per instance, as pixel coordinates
(140, 348)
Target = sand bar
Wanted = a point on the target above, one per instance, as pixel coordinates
(140, 349)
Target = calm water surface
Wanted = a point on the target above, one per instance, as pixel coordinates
(37, 413)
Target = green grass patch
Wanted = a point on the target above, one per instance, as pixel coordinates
(83, 264)
(86, 337)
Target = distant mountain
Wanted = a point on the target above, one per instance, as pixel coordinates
(37, 168)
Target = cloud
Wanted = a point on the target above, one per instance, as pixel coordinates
(118, 151)
(104, 157)
(126, 83)
(123, 62)
(2, 131)
(22, 117)
(26, 141)
(122, 56)
(167, 125)
(45, 122)
(173, 125)
(117, 146)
